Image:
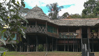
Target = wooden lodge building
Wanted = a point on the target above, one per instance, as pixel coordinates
(58, 35)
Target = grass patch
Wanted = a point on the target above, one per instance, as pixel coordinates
(49, 53)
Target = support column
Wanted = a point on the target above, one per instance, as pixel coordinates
(46, 26)
(16, 47)
(20, 47)
(81, 37)
(68, 45)
(64, 45)
(92, 45)
(56, 44)
(36, 43)
(73, 43)
(46, 44)
(88, 33)
(77, 47)
(98, 33)
(52, 44)
(73, 47)
(27, 44)
(98, 38)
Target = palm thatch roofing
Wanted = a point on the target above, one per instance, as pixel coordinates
(77, 22)
(37, 13)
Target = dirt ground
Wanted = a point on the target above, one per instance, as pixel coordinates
(45, 54)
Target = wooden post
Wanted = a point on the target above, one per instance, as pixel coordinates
(73, 43)
(77, 47)
(89, 36)
(81, 37)
(56, 44)
(98, 32)
(27, 44)
(46, 44)
(52, 44)
(93, 46)
(88, 33)
(36, 23)
(64, 45)
(36, 43)
(16, 47)
(46, 26)
(98, 45)
(57, 30)
(68, 44)
(20, 47)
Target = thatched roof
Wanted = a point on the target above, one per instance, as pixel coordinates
(77, 22)
(36, 13)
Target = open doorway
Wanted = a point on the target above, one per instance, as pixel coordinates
(84, 32)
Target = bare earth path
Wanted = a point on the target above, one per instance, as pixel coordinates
(45, 54)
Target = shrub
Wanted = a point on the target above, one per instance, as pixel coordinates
(40, 47)
(3, 49)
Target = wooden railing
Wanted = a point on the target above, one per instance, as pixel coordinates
(67, 35)
(35, 29)
(39, 29)
(53, 34)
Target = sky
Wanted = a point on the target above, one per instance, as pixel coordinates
(70, 6)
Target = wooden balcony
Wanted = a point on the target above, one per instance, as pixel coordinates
(40, 29)
(35, 29)
(53, 34)
(67, 35)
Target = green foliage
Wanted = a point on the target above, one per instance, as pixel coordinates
(4, 53)
(93, 31)
(75, 16)
(54, 9)
(91, 9)
(11, 18)
(40, 47)
(66, 14)
(3, 49)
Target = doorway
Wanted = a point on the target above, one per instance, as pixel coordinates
(84, 32)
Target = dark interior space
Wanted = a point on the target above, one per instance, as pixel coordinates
(84, 32)
(61, 47)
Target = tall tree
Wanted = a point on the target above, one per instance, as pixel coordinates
(65, 15)
(91, 8)
(23, 11)
(75, 16)
(54, 10)
(10, 19)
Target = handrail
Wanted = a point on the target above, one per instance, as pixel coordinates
(34, 29)
(53, 34)
(39, 29)
(67, 34)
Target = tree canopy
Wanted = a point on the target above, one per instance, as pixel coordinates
(91, 9)
(65, 15)
(11, 19)
(54, 10)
